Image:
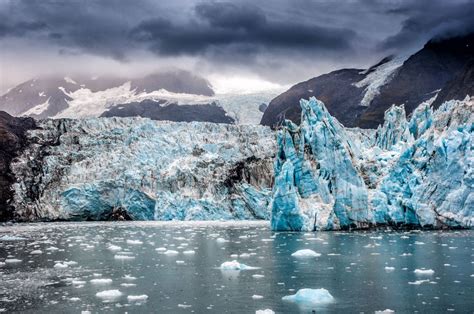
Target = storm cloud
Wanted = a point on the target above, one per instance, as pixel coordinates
(266, 38)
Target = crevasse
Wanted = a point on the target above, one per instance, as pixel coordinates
(416, 173)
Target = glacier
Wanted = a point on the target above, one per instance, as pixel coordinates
(415, 172)
(140, 169)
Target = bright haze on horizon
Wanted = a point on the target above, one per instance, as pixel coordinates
(236, 44)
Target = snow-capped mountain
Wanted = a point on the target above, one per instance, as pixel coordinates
(174, 96)
(358, 97)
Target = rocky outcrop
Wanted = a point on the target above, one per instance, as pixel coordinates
(415, 173)
(162, 110)
(13, 140)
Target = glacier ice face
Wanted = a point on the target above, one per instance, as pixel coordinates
(135, 168)
(413, 173)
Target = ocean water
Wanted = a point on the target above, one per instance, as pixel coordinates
(170, 267)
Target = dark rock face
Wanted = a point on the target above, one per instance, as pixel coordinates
(55, 90)
(160, 110)
(12, 142)
(335, 89)
(459, 87)
(262, 107)
(419, 78)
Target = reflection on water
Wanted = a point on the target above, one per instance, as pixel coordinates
(175, 268)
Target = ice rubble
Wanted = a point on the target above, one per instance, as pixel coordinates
(136, 168)
(416, 173)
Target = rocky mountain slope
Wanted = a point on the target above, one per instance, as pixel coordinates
(359, 97)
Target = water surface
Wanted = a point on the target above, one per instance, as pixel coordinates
(364, 271)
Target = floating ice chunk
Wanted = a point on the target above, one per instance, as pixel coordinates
(244, 255)
(221, 240)
(389, 268)
(52, 248)
(385, 311)
(74, 299)
(128, 285)
(78, 282)
(184, 306)
(258, 276)
(161, 249)
(129, 277)
(114, 248)
(137, 298)
(109, 294)
(12, 260)
(424, 272)
(419, 243)
(11, 238)
(36, 252)
(101, 281)
(305, 253)
(189, 252)
(234, 265)
(134, 242)
(418, 282)
(61, 265)
(266, 311)
(180, 262)
(171, 252)
(70, 263)
(124, 257)
(310, 297)
(257, 297)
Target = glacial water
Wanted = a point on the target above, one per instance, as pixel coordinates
(160, 267)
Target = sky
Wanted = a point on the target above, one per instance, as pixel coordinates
(258, 42)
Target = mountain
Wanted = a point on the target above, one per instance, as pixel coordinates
(359, 97)
(175, 96)
(63, 96)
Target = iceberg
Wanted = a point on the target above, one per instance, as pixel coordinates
(407, 173)
(306, 253)
(235, 265)
(309, 297)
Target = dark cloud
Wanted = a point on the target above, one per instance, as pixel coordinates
(430, 19)
(261, 36)
(16, 29)
(244, 28)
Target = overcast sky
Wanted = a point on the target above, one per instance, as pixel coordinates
(279, 41)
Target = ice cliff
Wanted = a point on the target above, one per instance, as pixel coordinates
(136, 168)
(412, 173)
